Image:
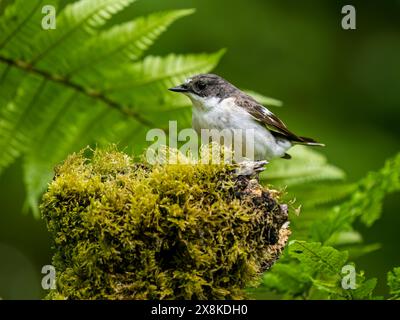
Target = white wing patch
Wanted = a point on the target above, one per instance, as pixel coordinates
(265, 111)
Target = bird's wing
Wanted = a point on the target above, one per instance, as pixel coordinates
(264, 116)
(268, 119)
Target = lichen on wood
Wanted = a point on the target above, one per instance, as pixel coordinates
(123, 230)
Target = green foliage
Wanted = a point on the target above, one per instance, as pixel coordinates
(87, 82)
(393, 279)
(57, 97)
(314, 184)
(287, 279)
(133, 231)
(317, 258)
(372, 190)
(365, 202)
(325, 238)
(305, 166)
(329, 204)
(314, 271)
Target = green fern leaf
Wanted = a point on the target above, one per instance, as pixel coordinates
(321, 194)
(75, 24)
(366, 202)
(373, 189)
(305, 166)
(393, 281)
(20, 23)
(75, 128)
(287, 279)
(17, 119)
(55, 99)
(122, 43)
(317, 258)
(364, 289)
(356, 251)
(145, 83)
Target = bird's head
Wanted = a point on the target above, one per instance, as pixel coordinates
(203, 87)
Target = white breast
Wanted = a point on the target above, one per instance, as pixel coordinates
(212, 113)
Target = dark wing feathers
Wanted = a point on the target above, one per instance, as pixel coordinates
(271, 121)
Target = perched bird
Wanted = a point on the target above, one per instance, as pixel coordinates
(217, 104)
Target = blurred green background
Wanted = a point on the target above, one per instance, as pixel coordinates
(340, 86)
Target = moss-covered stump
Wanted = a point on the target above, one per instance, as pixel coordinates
(131, 231)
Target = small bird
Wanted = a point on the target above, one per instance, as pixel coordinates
(217, 104)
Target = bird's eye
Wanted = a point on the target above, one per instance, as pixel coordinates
(201, 85)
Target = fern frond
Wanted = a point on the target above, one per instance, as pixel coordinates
(318, 258)
(55, 99)
(20, 23)
(75, 24)
(305, 166)
(359, 250)
(122, 43)
(16, 119)
(314, 271)
(373, 189)
(145, 83)
(9, 79)
(88, 125)
(365, 202)
(321, 194)
(286, 279)
(393, 281)
(72, 126)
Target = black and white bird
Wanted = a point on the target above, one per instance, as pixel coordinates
(217, 104)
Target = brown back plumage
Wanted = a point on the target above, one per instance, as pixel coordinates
(271, 121)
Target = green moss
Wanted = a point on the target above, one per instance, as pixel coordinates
(131, 231)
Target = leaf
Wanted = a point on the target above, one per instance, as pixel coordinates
(352, 242)
(76, 23)
(321, 194)
(70, 126)
(334, 221)
(120, 44)
(286, 278)
(17, 119)
(305, 166)
(314, 271)
(393, 281)
(366, 202)
(19, 25)
(57, 97)
(317, 258)
(38, 168)
(356, 251)
(64, 131)
(145, 83)
(364, 289)
(373, 189)
(325, 266)
(331, 287)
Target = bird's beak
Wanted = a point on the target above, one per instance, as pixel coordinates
(181, 88)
